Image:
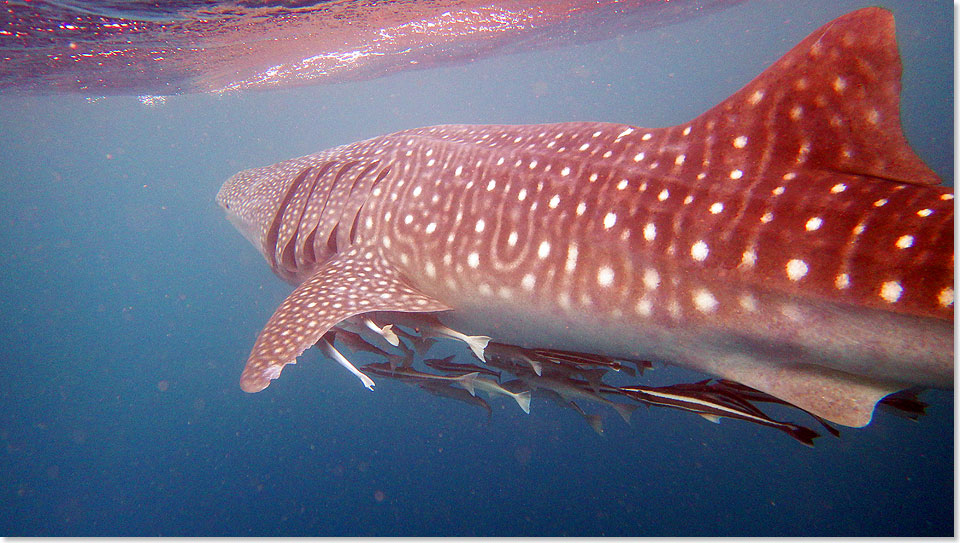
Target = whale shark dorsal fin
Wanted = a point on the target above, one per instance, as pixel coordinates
(331, 295)
(832, 103)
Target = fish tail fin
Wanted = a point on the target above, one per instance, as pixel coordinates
(625, 411)
(422, 344)
(831, 103)
(523, 400)
(477, 344)
(466, 381)
(595, 422)
(390, 335)
(395, 361)
(710, 417)
(535, 364)
(801, 433)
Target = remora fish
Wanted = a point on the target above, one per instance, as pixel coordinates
(448, 365)
(787, 239)
(404, 373)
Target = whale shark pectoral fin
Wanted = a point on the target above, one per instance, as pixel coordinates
(354, 282)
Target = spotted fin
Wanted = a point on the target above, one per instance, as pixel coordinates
(831, 103)
(353, 282)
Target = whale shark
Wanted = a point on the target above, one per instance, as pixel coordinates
(787, 239)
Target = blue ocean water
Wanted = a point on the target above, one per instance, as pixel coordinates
(131, 305)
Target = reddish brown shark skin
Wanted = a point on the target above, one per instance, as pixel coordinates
(788, 238)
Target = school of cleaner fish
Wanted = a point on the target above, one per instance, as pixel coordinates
(787, 241)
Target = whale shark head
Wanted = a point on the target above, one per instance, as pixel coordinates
(301, 212)
(249, 199)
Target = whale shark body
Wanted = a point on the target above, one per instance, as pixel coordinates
(788, 239)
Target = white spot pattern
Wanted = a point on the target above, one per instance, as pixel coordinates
(676, 288)
(705, 301)
(699, 251)
(813, 224)
(650, 231)
(945, 298)
(651, 279)
(609, 220)
(605, 276)
(528, 281)
(904, 242)
(544, 250)
(890, 291)
(796, 269)
(842, 281)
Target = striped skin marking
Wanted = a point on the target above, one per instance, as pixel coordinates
(804, 194)
(571, 262)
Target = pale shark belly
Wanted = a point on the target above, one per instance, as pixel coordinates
(833, 360)
(873, 344)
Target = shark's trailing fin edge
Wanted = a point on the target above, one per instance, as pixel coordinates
(836, 396)
(331, 295)
(835, 102)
